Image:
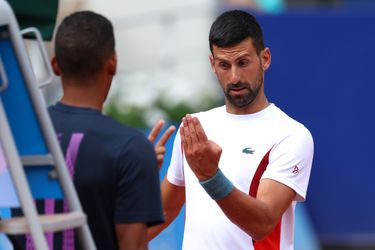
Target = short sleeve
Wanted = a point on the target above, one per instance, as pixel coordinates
(138, 198)
(175, 173)
(290, 161)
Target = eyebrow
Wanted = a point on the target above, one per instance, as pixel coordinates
(237, 59)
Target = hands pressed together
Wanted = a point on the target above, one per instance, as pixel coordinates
(203, 155)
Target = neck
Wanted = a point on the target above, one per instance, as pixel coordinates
(84, 94)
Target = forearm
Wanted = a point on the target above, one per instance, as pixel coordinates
(251, 215)
(173, 198)
(154, 231)
(132, 236)
(135, 246)
(258, 216)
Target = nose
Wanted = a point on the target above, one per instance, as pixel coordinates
(234, 75)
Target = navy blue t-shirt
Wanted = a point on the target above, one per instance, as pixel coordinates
(114, 170)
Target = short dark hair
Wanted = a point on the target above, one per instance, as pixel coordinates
(232, 27)
(83, 42)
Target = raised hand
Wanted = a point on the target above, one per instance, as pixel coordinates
(203, 155)
(160, 145)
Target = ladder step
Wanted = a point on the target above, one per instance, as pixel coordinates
(37, 160)
(49, 223)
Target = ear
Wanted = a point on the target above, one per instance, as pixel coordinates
(212, 62)
(112, 64)
(266, 58)
(55, 66)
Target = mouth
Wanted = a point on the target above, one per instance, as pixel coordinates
(238, 90)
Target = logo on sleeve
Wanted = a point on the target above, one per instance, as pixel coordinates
(248, 150)
(295, 170)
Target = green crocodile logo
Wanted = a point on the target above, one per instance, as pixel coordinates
(248, 150)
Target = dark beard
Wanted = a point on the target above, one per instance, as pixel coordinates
(241, 101)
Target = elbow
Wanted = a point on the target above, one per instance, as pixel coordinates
(260, 235)
(170, 215)
(264, 230)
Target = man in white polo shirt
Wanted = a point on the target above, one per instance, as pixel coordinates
(242, 167)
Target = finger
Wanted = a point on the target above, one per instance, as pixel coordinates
(201, 135)
(160, 158)
(160, 150)
(155, 131)
(167, 134)
(185, 135)
(191, 128)
(182, 136)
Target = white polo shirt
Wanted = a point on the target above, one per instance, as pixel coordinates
(267, 144)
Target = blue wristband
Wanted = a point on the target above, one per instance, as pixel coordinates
(217, 186)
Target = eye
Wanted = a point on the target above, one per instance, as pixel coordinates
(243, 63)
(223, 65)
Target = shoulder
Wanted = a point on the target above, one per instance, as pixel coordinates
(132, 150)
(289, 124)
(111, 128)
(292, 132)
(135, 145)
(52, 110)
(131, 142)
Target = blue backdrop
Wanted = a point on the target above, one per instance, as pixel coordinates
(322, 74)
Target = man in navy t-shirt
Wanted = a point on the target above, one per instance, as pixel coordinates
(114, 167)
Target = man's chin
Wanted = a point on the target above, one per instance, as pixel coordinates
(239, 102)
